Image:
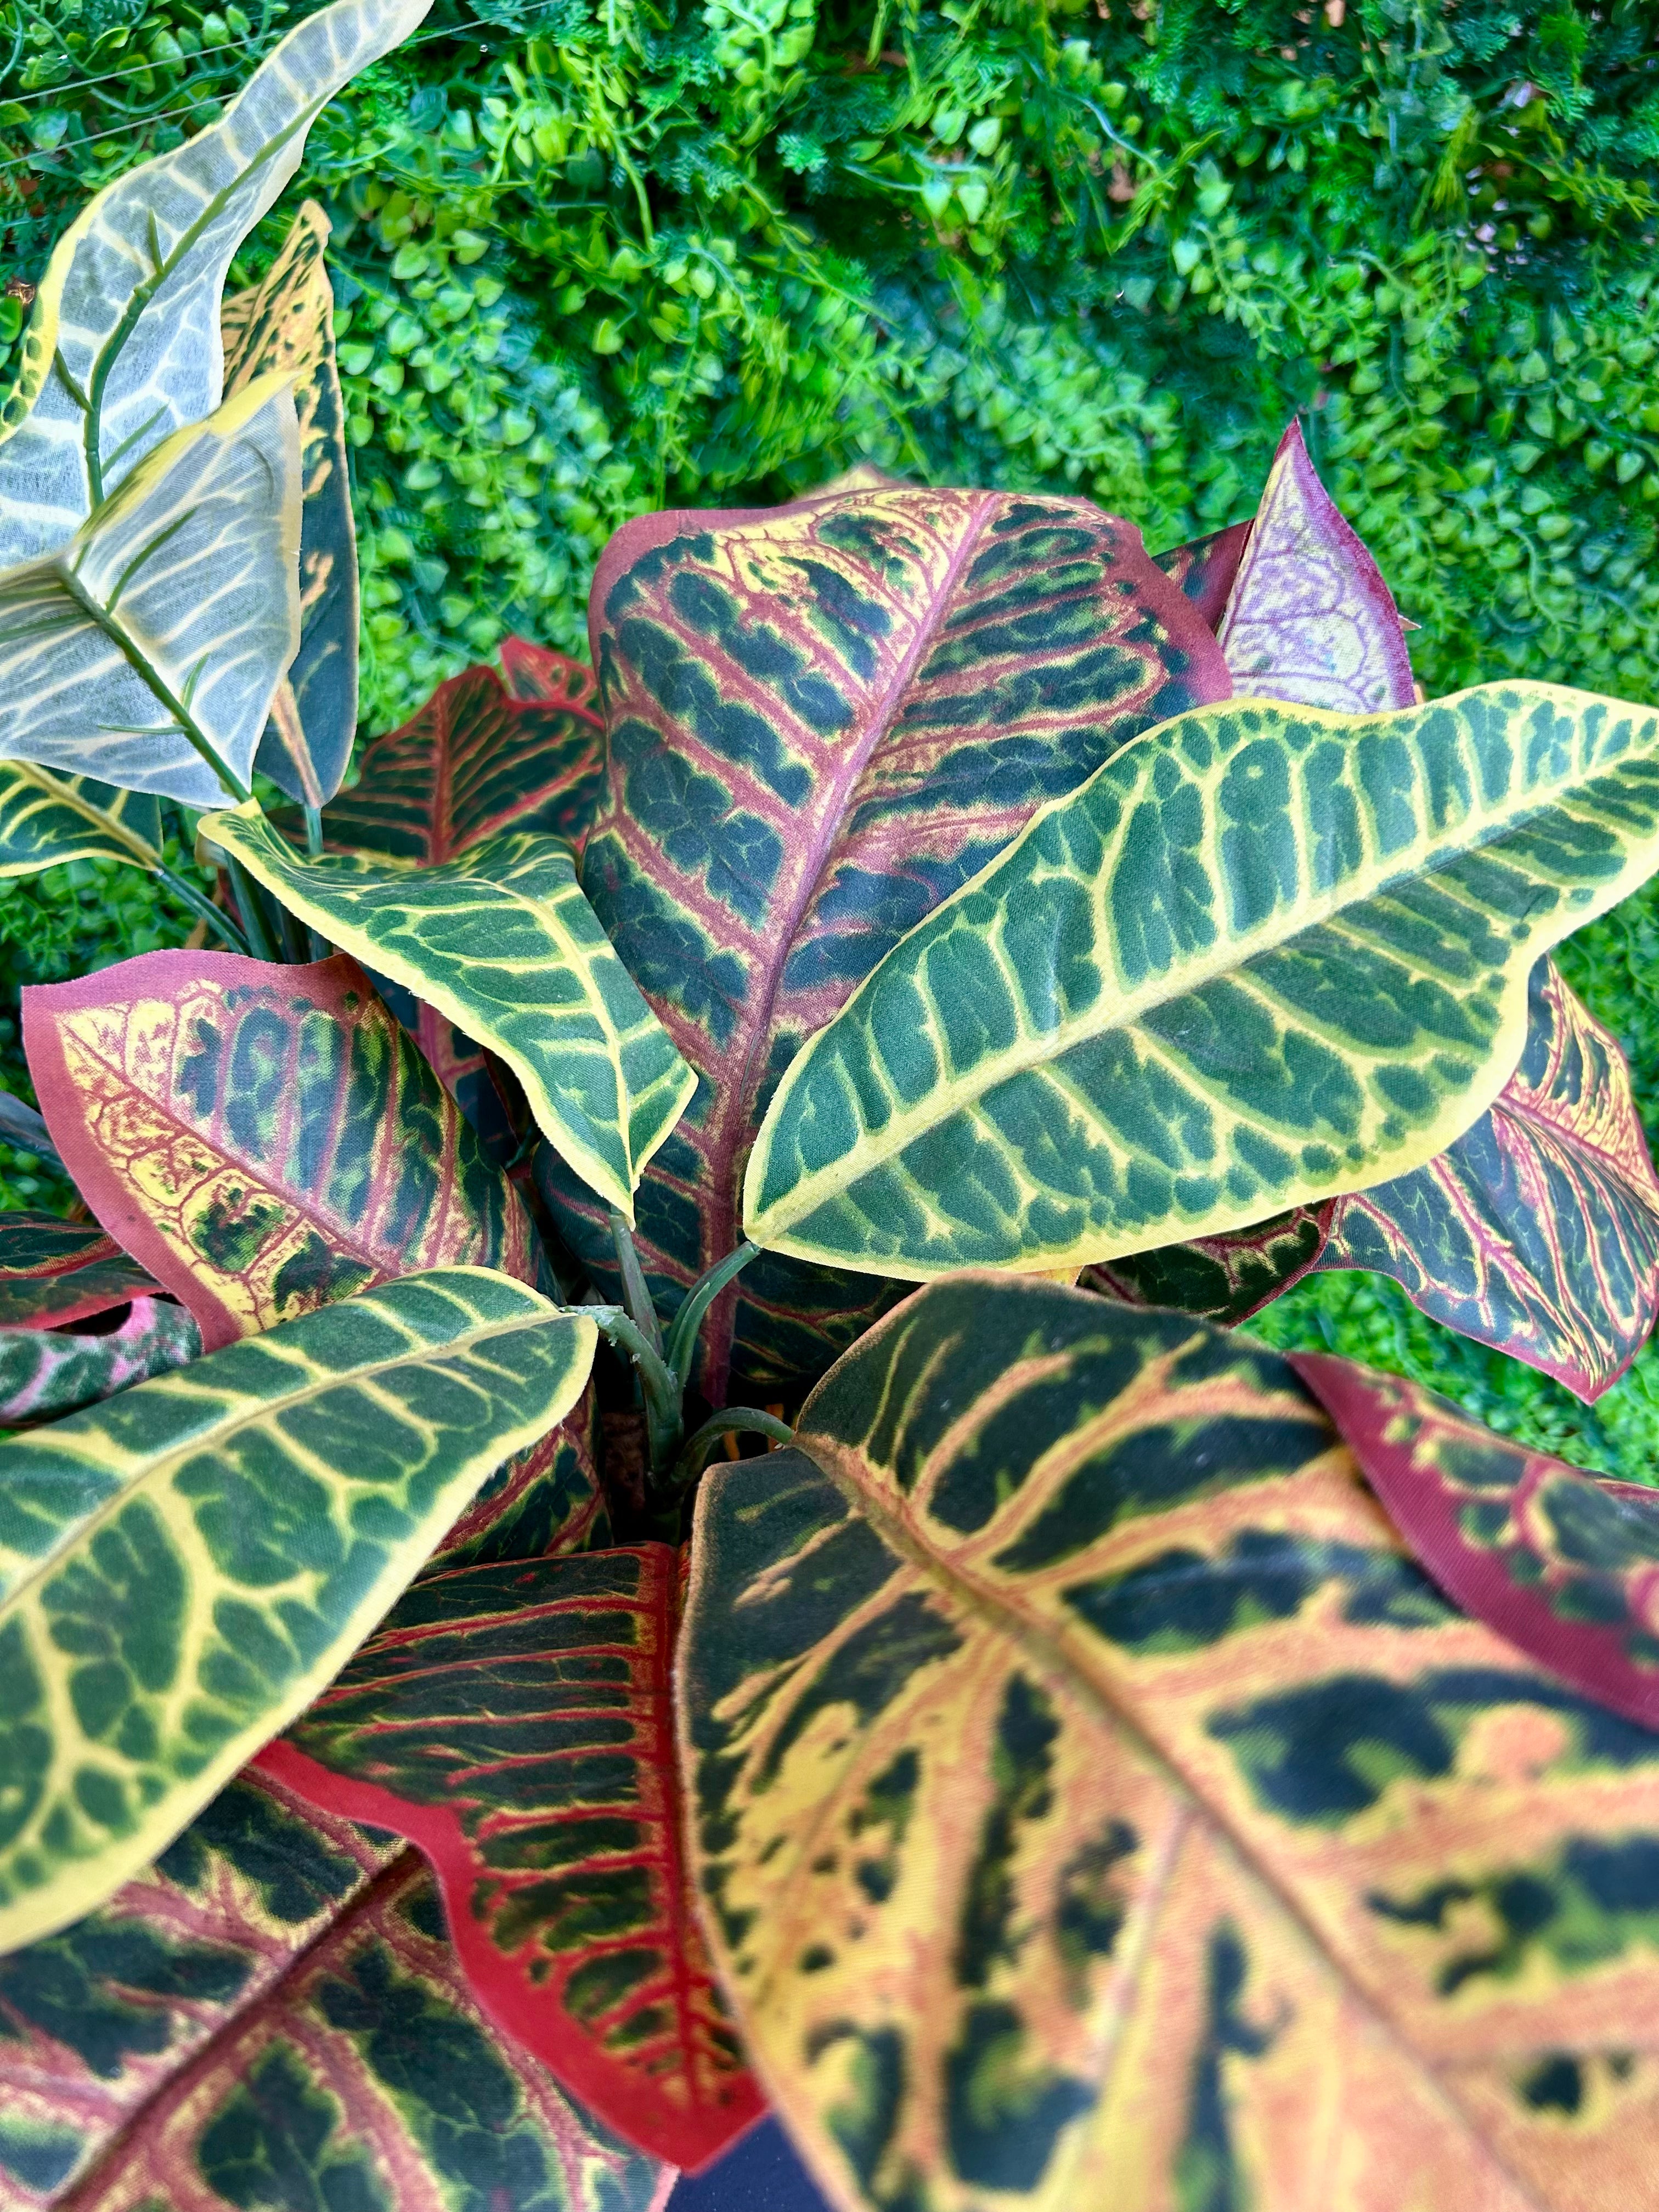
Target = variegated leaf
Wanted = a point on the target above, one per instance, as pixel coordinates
(122, 347)
(1205, 568)
(45, 1372)
(53, 1273)
(514, 1721)
(1222, 1279)
(146, 650)
(546, 1499)
(502, 941)
(182, 1568)
(1265, 956)
(1309, 617)
(45, 819)
(1564, 1564)
(286, 325)
(1096, 1806)
(271, 2017)
(535, 671)
(823, 718)
(262, 1138)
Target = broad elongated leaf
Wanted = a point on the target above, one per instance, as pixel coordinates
(45, 819)
(536, 672)
(271, 2015)
(545, 1499)
(1265, 956)
(145, 652)
(1096, 1806)
(503, 942)
(262, 1138)
(45, 1372)
(1559, 1561)
(1223, 1278)
(1309, 617)
(286, 325)
(53, 1273)
(123, 347)
(823, 718)
(515, 1722)
(182, 1568)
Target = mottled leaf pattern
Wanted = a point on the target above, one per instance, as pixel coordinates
(1096, 1806)
(45, 1372)
(146, 650)
(535, 671)
(123, 347)
(514, 1721)
(182, 1568)
(1223, 1278)
(1264, 956)
(545, 1499)
(503, 942)
(262, 1138)
(46, 818)
(1205, 568)
(822, 718)
(53, 1273)
(286, 325)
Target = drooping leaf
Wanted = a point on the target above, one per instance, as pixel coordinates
(545, 1500)
(822, 719)
(535, 671)
(53, 1273)
(45, 1372)
(270, 2016)
(1223, 1278)
(286, 325)
(502, 941)
(45, 819)
(1205, 568)
(1265, 956)
(1095, 1806)
(122, 347)
(515, 1722)
(473, 762)
(262, 1139)
(146, 650)
(182, 1568)
(1309, 617)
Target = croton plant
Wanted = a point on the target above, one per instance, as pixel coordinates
(1060, 1753)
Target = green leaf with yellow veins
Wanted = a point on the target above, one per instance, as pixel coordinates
(45, 1372)
(46, 818)
(182, 1568)
(501, 940)
(1265, 955)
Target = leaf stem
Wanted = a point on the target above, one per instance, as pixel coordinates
(204, 909)
(636, 1295)
(253, 913)
(734, 1421)
(659, 1384)
(683, 1334)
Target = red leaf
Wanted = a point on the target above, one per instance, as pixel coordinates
(1205, 568)
(53, 1273)
(535, 671)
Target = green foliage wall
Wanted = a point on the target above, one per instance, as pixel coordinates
(602, 255)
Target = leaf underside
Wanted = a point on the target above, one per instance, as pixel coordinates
(53, 1273)
(1096, 1806)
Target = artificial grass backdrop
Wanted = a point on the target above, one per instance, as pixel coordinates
(600, 255)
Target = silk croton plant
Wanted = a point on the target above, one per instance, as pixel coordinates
(880, 1030)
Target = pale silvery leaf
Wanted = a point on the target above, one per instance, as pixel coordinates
(146, 650)
(124, 347)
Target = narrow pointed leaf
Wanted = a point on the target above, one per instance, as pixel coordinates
(45, 819)
(45, 1372)
(1265, 956)
(1205, 568)
(123, 347)
(503, 942)
(271, 2015)
(1564, 1564)
(146, 650)
(182, 1568)
(535, 671)
(1095, 1806)
(1537, 1231)
(823, 718)
(285, 326)
(473, 762)
(515, 1722)
(1309, 617)
(53, 1273)
(262, 1138)
(1223, 1278)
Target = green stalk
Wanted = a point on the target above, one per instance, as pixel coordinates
(636, 1295)
(249, 906)
(659, 1385)
(204, 909)
(697, 1301)
(735, 1421)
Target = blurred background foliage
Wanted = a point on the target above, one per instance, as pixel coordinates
(597, 256)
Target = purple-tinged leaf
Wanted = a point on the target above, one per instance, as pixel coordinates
(47, 1372)
(1205, 568)
(1309, 618)
(537, 673)
(822, 718)
(1563, 1563)
(53, 1273)
(1225, 1279)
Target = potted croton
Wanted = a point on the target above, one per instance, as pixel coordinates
(636, 1495)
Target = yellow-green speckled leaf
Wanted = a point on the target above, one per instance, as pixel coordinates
(46, 818)
(1264, 954)
(184, 1567)
(502, 941)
